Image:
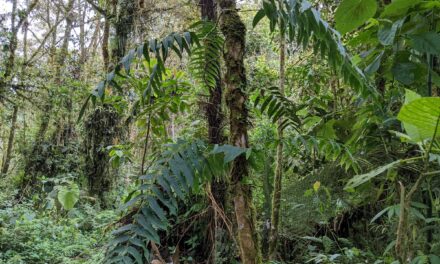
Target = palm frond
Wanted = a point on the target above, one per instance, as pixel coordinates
(303, 24)
(205, 58)
(276, 105)
(181, 169)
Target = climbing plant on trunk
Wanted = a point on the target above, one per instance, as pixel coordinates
(235, 94)
(276, 201)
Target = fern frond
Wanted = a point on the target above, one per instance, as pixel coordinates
(155, 52)
(205, 58)
(276, 106)
(181, 169)
(303, 24)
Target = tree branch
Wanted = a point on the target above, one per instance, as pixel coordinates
(97, 8)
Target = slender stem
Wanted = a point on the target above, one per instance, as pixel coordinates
(146, 144)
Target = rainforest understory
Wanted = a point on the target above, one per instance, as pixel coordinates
(220, 131)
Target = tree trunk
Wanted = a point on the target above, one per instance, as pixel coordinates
(12, 42)
(25, 43)
(267, 192)
(7, 158)
(208, 10)
(66, 126)
(235, 83)
(53, 46)
(65, 46)
(105, 39)
(82, 34)
(10, 62)
(217, 227)
(124, 11)
(276, 202)
(30, 167)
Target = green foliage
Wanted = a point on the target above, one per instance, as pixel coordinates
(427, 42)
(399, 7)
(119, 154)
(205, 58)
(276, 106)
(303, 24)
(328, 148)
(31, 237)
(68, 196)
(183, 168)
(354, 13)
(337, 129)
(344, 255)
(387, 33)
(155, 52)
(420, 118)
(363, 178)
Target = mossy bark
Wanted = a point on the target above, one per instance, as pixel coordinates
(102, 128)
(215, 249)
(235, 94)
(125, 11)
(8, 155)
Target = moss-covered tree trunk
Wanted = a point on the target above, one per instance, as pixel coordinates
(12, 43)
(8, 155)
(123, 24)
(101, 128)
(276, 201)
(105, 37)
(100, 135)
(215, 248)
(235, 94)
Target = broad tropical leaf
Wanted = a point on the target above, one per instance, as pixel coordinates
(420, 118)
(353, 13)
(68, 196)
(428, 42)
(399, 7)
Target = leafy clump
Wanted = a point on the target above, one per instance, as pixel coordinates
(28, 236)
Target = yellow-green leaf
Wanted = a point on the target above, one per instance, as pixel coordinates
(419, 118)
(68, 196)
(316, 186)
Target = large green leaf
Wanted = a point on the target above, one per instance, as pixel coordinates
(353, 13)
(411, 96)
(428, 42)
(374, 66)
(419, 117)
(388, 32)
(434, 259)
(328, 131)
(411, 130)
(68, 196)
(405, 72)
(399, 7)
(230, 152)
(363, 178)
